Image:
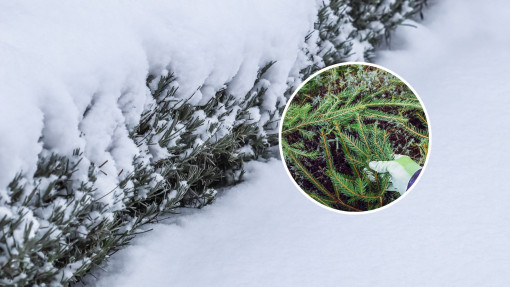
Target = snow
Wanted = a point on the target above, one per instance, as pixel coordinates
(71, 80)
(450, 230)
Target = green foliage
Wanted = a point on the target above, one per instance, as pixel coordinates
(28, 248)
(340, 121)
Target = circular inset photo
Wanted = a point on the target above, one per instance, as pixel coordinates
(354, 137)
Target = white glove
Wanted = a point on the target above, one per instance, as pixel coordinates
(401, 169)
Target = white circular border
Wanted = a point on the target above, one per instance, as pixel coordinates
(285, 164)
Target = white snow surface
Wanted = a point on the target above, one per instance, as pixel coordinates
(72, 73)
(450, 230)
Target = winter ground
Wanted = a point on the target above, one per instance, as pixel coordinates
(451, 230)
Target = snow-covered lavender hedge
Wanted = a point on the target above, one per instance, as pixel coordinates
(115, 114)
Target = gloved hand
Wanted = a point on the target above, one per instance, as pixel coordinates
(401, 169)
